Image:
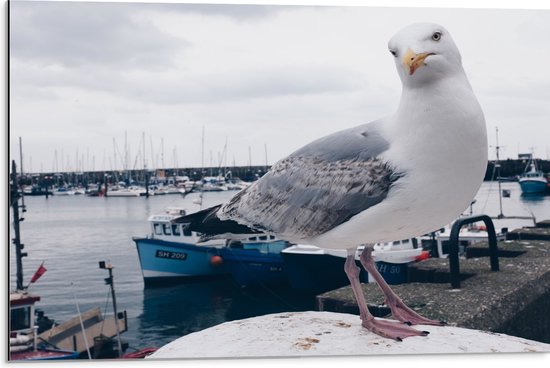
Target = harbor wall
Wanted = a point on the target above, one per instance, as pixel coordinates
(508, 169)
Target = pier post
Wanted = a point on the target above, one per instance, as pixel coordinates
(109, 281)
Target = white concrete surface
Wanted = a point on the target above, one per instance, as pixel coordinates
(296, 334)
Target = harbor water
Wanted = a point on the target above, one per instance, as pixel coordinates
(71, 234)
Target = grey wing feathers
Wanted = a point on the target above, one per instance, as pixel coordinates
(362, 143)
(317, 187)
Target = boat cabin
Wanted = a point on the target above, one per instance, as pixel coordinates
(163, 229)
(22, 312)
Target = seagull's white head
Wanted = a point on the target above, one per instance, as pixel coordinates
(424, 52)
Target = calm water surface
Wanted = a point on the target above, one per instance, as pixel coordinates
(72, 233)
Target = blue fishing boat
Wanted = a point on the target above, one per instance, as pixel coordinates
(161, 260)
(315, 269)
(170, 252)
(533, 181)
(257, 261)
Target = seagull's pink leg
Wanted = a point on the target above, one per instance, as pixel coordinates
(392, 330)
(399, 310)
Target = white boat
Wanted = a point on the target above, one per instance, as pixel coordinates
(213, 184)
(171, 189)
(184, 184)
(122, 192)
(79, 191)
(237, 185)
(62, 191)
(468, 235)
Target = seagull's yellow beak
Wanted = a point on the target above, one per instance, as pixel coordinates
(413, 61)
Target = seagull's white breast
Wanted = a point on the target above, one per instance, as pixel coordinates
(438, 140)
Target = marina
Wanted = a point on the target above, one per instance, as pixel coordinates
(258, 180)
(70, 234)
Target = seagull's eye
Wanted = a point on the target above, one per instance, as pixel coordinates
(394, 53)
(436, 36)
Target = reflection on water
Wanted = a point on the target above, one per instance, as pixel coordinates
(179, 310)
(175, 311)
(71, 234)
(534, 197)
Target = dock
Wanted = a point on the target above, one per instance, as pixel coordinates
(514, 300)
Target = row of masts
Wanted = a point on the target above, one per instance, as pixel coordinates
(122, 159)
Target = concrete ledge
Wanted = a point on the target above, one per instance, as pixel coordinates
(299, 334)
(513, 300)
(540, 232)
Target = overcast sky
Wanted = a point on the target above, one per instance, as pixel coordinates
(85, 75)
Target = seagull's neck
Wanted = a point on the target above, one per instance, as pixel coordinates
(445, 97)
(445, 116)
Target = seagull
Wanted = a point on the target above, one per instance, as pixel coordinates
(398, 177)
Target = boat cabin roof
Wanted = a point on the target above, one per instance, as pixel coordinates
(22, 298)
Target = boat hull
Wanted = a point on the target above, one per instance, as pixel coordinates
(163, 261)
(121, 193)
(533, 186)
(44, 354)
(252, 267)
(317, 272)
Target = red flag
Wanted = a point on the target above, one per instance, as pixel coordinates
(41, 270)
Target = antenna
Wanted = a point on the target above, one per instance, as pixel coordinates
(14, 199)
(21, 159)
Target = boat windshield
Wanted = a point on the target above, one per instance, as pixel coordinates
(20, 318)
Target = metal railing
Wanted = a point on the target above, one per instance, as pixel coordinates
(454, 242)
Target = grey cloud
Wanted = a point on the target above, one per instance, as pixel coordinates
(76, 34)
(248, 85)
(241, 12)
(210, 88)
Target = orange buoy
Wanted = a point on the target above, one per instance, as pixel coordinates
(216, 260)
(422, 256)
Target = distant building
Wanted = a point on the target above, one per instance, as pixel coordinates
(525, 156)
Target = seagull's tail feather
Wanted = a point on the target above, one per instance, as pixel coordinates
(209, 225)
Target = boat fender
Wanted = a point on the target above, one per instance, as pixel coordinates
(20, 340)
(19, 348)
(422, 256)
(216, 261)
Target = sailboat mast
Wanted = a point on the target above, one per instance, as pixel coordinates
(501, 215)
(265, 148)
(21, 163)
(202, 152)
(145, 176)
